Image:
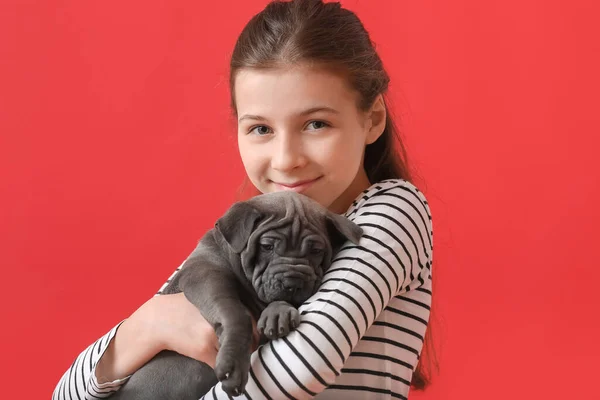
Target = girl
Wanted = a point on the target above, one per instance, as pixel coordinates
(307, 91)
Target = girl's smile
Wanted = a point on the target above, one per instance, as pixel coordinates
(298, 186)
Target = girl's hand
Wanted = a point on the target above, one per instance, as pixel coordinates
(165, 322)
(180, 327)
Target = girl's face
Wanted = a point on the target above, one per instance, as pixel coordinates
(300, 129)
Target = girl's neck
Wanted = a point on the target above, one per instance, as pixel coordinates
(361, 182)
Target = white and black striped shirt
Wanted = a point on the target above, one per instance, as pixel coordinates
(360, 335)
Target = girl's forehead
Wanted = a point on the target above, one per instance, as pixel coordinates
(290, 89)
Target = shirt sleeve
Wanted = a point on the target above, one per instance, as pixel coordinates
(393, 257)
(79, 381)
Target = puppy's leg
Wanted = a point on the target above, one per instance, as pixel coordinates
(168, 376)
(214, 290)
(278, 319)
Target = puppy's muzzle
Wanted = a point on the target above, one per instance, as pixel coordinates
(289, 282)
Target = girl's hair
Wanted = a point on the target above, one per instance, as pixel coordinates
(325, 34)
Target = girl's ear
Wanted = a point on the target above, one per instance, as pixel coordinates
(376, 118)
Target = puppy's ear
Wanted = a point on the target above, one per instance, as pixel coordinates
(237, 224)
(341, 229)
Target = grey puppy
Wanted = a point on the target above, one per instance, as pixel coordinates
(263, 258)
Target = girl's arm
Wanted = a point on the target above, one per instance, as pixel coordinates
(89, 379)
(394, 256)
(79, 381)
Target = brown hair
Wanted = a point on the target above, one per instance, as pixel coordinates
(310, 31)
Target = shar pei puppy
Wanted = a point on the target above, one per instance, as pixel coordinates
(261, 261)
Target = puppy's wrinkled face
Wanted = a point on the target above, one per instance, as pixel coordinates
(285, 242)
(289, 268)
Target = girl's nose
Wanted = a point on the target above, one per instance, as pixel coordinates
(287, 153)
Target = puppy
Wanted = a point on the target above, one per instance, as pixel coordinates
(262, 260)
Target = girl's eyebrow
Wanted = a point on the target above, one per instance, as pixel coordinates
(303, 113)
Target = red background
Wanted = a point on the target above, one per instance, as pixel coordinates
(117, 153)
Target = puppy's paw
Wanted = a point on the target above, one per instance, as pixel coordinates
(232, 372)
(278, 319)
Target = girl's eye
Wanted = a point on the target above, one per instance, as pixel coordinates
(260, 130)
(318, 124)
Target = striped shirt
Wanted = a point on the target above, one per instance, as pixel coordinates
(360, 335)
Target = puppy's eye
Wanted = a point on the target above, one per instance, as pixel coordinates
(267, 246)
(316, 250)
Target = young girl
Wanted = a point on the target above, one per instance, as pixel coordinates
(307, 90)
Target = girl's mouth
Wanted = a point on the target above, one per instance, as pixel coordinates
(298, 186)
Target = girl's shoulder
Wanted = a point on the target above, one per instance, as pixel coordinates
(393, 193)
